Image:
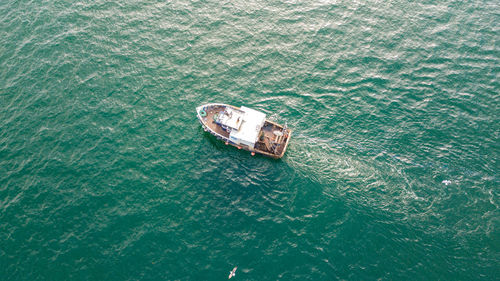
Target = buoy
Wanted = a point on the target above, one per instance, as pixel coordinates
(253, 153)
(239, 147)
(227, 143)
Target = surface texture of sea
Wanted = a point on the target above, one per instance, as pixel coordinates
(391, 174)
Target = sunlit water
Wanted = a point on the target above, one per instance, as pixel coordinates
(391, 173)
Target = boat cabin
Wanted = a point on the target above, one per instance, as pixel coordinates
(243, 124)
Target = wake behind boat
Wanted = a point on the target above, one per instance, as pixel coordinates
(244, 128)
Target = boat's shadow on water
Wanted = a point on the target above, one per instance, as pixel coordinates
(238, 172)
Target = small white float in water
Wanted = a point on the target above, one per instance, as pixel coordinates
(233, 272)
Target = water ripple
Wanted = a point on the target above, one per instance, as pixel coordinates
(391, 171)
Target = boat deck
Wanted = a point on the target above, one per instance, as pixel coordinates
(269, 141)
(211, 113)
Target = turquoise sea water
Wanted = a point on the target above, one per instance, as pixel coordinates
(391, 174)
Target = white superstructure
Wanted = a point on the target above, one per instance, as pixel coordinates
(231, 118)
(248, 133)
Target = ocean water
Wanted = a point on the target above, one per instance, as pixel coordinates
(391, 173)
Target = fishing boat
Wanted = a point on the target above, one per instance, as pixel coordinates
(244, 128)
